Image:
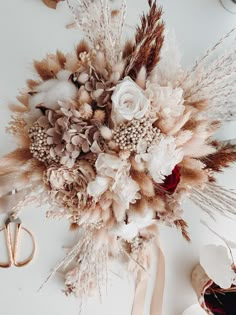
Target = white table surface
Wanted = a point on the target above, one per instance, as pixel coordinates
(29, 30)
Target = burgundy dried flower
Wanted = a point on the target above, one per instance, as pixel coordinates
(171, 182)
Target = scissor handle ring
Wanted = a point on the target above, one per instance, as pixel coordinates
(28, 260)
(9, 249)
(12, 250)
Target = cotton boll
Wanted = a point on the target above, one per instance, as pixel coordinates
(45, 86)
(63, 75)
(52, 91)
(137, 223)
(35, 100)
(62, 91)
(141, 220)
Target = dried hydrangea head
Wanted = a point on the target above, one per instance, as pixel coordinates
(61, 136)
(98, 89)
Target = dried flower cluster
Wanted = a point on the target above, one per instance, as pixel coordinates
(116, 134)
(131, 135)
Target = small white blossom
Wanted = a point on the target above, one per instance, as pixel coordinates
(113, 175)
(161, 158)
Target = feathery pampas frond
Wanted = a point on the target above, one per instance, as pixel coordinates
(215, 199)
(149, 39)
(207, 54)
(215, 84)
(169, 68)
(102, 29)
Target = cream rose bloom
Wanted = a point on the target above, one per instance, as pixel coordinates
(128, 102)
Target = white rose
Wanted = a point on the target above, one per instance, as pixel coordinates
(128, 102)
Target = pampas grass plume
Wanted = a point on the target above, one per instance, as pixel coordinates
(137, 166)
(106, 133)
(145, 183)
(113, 146)
(99, 115)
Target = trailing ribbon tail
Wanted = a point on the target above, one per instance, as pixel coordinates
(158, 291)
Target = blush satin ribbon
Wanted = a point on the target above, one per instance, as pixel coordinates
(158, 292)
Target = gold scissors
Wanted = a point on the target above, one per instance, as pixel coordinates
(12, 248)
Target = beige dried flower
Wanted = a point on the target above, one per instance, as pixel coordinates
(100, 92)
(124, 155)
(99, 89)
(136, 135)
(99, 115)
(39, 147)
(68, 186)
(86, 111)
(68, 135)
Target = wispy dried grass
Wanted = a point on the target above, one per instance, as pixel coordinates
(183, 226)
(213, 199)
(101, 28)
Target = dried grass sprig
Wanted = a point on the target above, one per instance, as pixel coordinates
(183, 226)
(149, 39)
(97, 15)
(207, 54)
(224, 157)
(215, 84)
(215, 199)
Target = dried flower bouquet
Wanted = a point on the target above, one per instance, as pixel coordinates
(116, 135)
